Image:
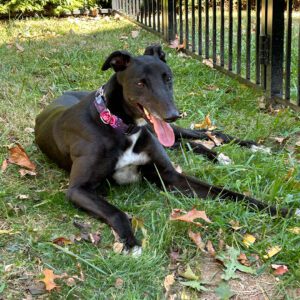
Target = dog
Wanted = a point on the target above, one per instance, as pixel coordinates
(119, 133)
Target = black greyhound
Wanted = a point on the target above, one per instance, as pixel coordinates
(118, 133)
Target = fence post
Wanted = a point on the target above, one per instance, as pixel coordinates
(271, 46)
(169, 20)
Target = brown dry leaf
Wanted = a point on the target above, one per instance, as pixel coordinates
(206, 123)
(175, 44)
(290, 173)
(211, 87)
(190, 216)
(196, 238)
(208, 62)
(279, 269)
(70, 281)
(135, 34)
(248, 240)
(49, 279)
(174, 255)
(119, 283)
(24, 172)
(235, 225)
(272, 251)
(4, 165)
(62, 241)
(118, 247)
(210, 248)
(169, 281)
(216, 140)
(18, 156)
(208, 144)
(242, 258)
(295, 230)
(19, 47)
(280, 140)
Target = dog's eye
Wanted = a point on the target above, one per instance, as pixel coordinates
(140, 84)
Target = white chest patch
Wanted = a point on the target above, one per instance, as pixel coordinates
(126, 169)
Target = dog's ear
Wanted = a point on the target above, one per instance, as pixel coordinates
(157, 51)
(118, 60)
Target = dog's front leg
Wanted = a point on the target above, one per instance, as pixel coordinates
(84, 178)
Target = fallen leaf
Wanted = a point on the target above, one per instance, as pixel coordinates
(208, 144)
(174, 255)
(196, 238)
(118, 247)
(119, 283)
(216, 140)
(206, 123)
(84, 227)
(189, 274)
(280, 140)
(242, 258)
(22, 197)
(279, 269)
(18, 156)
(210, 248)
(211, 87)
(4, 165)
(24, 172)
(37, 288)
(175, 44)
(223, 291)
(70, 281)
(196, 285)
(229, 258)
(290, 173)
(8, 268)
(272, 251)
(190, 216)
(49, 279)
(235, 225)
(95, 238)
(295, 230)
(208, 62)
(135, 34)
(248, 240)
(19, 47)
(62, 241)
(262, 102)
(7, 231)
(169, 281)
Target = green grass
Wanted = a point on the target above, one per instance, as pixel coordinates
(64, 54)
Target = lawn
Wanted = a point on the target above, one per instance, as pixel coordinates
(41, 58)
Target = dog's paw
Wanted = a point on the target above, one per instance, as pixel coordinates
(261, 148)
(224, 160)
(135, 251)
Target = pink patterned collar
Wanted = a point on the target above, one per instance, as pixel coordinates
(104, 113)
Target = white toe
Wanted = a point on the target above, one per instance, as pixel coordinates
(224, 160)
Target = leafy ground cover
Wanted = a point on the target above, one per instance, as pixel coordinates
(41, 58)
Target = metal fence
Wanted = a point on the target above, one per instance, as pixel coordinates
(255, 41)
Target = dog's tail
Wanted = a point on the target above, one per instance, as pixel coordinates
(188, 185)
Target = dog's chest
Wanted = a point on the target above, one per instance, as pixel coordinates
(126, 169)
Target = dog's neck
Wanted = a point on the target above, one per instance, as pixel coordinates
(115, 101)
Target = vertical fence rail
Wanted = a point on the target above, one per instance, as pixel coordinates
(206, 29)
(200, 27)
(222, 34)
(261, 55)
(288, 51)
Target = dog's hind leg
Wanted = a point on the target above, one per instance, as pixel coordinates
(204, 134)
(82, 192)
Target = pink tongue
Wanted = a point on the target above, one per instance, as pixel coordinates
(163, 131)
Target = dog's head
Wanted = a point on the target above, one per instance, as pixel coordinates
(147, 88)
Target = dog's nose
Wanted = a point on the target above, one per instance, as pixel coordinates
(173, 117)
